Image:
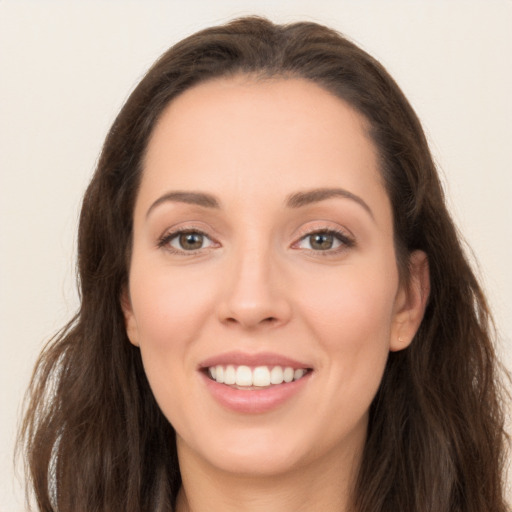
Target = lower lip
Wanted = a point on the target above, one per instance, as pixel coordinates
(254, 401)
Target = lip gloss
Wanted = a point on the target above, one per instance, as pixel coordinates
(254, 400)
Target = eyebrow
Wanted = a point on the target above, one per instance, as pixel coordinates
(296, 200)
(197, 198)
(300, 199)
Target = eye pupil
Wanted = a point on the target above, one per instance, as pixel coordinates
(191, 241)
(321, 241)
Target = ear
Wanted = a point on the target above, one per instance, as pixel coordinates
(411, 302)
(130, 323)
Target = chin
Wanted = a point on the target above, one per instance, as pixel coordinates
(249, 452)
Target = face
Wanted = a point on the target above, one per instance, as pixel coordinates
(263, 288)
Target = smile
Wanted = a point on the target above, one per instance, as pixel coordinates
(245, 377)
(254, 383)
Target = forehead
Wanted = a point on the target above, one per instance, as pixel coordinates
(241, 134)
(260, 104)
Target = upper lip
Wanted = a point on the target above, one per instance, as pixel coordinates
(253, 360)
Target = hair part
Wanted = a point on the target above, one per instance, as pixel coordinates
(95, 439)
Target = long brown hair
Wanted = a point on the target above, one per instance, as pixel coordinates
(95, 439)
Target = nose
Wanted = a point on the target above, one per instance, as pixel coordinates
(254, 292)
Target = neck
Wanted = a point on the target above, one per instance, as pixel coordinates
(325, 485)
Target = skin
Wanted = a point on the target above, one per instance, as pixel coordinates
(259, 284)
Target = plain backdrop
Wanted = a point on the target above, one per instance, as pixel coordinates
(67, 67)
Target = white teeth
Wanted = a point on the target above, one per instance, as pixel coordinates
(297, 374)
(288, 374)
(243, 376)
(230, 375)
(260, 376)
(276, 375)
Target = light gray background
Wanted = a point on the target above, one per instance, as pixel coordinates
(67, 67)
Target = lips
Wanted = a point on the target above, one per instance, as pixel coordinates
(253, 360)
(253, 383)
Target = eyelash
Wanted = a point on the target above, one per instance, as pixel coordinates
(346, 241)
(165, 241)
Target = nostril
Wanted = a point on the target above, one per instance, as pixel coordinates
(269, 320)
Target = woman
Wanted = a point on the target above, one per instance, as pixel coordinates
(276, 310)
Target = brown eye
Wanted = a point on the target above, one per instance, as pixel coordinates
(321, 241)
(188, 241)
(327, 241)
(191, 241)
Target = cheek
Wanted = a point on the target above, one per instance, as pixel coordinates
(351, 307)
(170, 311)
(168, 306)
(351, 317)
